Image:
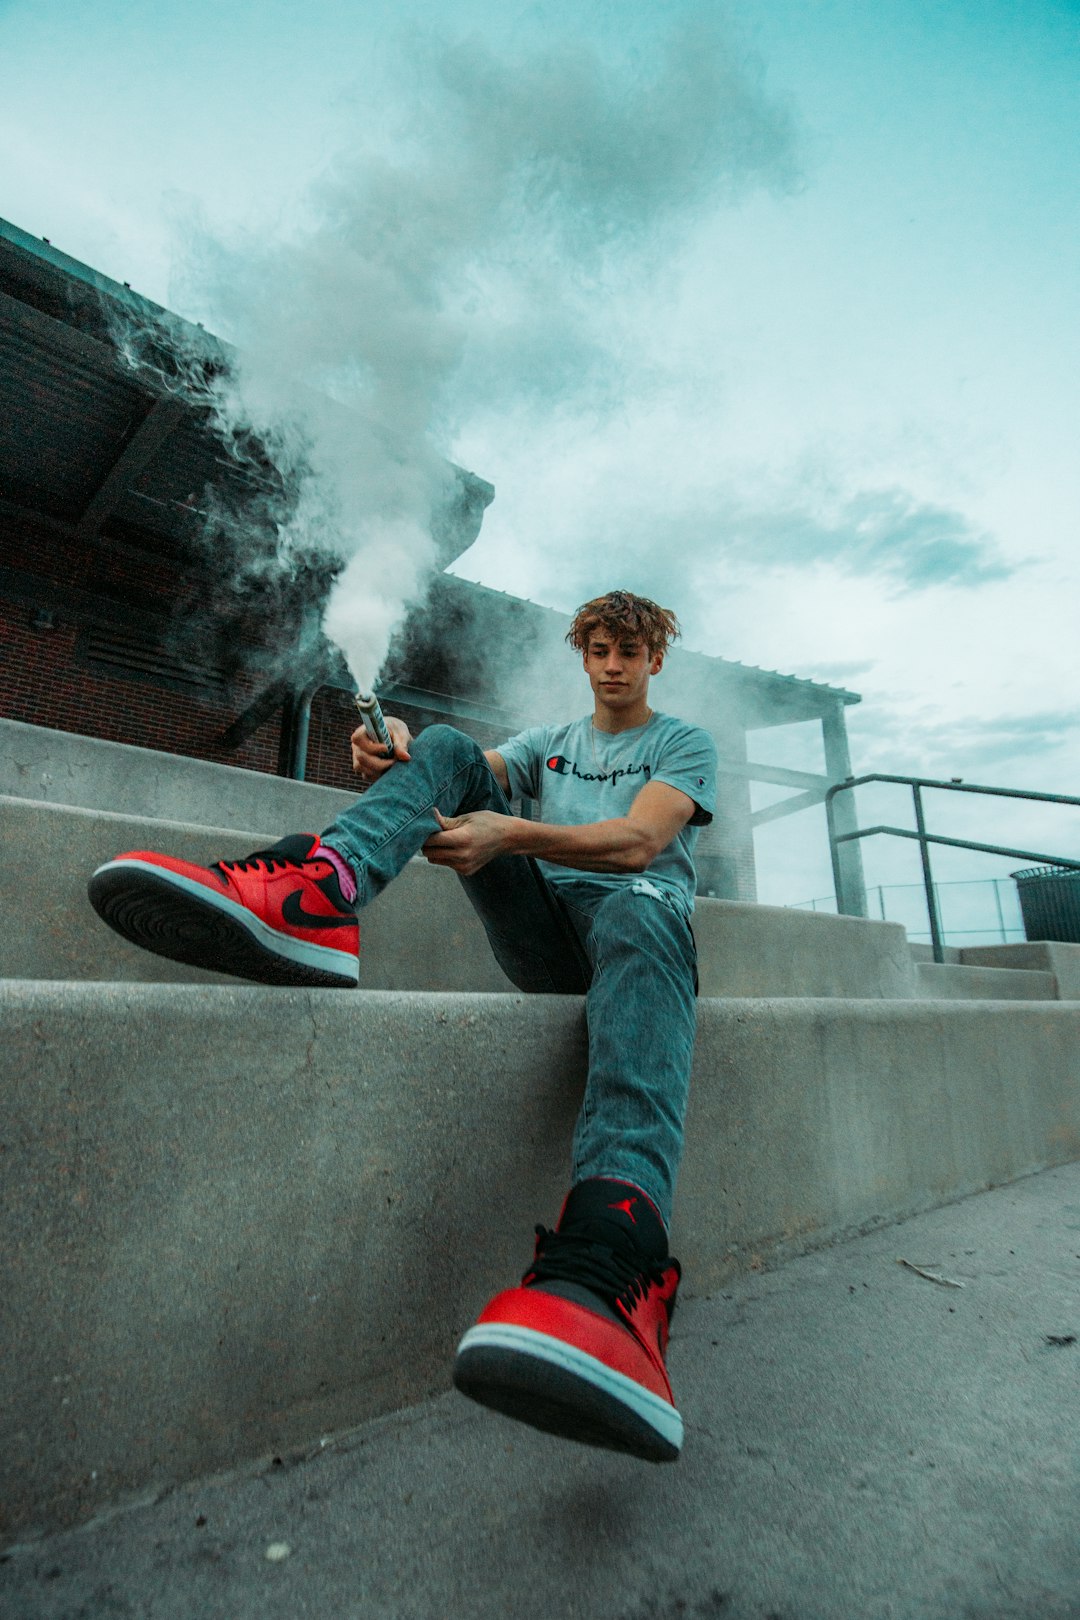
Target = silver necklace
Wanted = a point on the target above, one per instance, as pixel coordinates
(609, 767)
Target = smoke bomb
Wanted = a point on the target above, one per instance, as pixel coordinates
(370, 710)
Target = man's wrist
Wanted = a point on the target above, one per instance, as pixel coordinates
(516, 835)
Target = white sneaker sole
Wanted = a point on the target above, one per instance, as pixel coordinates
(542, 1380)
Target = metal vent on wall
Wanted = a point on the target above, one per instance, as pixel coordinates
(140, 655)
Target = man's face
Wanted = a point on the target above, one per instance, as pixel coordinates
(619, 669)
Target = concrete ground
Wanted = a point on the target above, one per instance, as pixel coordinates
(862, 1443)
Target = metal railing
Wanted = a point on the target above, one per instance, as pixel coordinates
(924, 839)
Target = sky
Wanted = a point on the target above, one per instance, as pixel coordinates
(768, 310)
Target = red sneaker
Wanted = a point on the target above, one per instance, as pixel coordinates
(578, 1349)
(277, 916)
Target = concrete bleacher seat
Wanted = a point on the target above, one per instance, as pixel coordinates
(419, 935)
(422, 934)
(238, 1218)
(90, 773)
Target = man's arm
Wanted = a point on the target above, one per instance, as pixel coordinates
(624, 844)
(498, 769)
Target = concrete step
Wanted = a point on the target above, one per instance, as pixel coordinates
(925, 953)
(752, 950)
(951, 981)
(1061, 961)
(420, 934)
(238, 1218)
(1038, 956)
(60, 767)
(839, 1412)
(427, 938)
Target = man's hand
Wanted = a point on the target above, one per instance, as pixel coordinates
(369, 759)
(466, 843)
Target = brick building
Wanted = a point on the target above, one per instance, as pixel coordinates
(112, 622)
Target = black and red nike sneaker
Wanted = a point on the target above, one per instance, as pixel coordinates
(578, 1349)
(278, 916)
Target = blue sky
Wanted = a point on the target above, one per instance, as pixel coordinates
(792, 347)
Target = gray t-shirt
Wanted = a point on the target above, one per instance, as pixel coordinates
(577, 774)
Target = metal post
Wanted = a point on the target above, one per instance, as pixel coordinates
(301, 731)
(834, 854)
(928, 881)
(1000, 912)
(295, 728)
(848, 877)
(287, 734)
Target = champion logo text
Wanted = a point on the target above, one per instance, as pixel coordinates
(568, 767)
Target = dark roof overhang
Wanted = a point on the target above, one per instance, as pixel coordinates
(93, 444)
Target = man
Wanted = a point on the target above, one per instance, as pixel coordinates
(593, 899)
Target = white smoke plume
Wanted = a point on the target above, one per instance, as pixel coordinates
(463, 263)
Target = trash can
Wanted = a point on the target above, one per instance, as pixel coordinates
(1050, 902)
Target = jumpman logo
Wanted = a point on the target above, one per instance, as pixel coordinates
(627, 1207)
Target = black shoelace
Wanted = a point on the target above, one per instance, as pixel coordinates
(268, 858)
(578, 1257)
(258, 861)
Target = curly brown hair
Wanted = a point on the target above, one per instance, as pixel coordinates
(622, 615)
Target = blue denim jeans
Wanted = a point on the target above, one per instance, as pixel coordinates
(629, 951)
